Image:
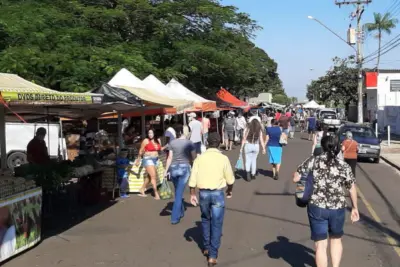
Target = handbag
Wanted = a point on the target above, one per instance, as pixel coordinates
(305, 188)
(283, 140)
(239, 163)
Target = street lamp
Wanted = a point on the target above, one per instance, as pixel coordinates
(329, 29)
(359, 59)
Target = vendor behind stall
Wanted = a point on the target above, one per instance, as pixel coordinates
(37, 149)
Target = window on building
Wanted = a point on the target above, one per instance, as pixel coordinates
(395, 85)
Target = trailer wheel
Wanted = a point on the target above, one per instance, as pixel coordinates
(16, 159)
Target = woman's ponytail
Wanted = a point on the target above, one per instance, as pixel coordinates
(329, 145)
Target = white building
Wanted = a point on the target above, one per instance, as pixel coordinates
(262, 98)
(383, 98)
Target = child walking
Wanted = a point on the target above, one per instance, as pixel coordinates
(122, 173)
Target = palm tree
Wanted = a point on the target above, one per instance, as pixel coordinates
(381, 24)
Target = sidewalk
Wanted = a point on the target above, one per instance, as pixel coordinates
(391, 154)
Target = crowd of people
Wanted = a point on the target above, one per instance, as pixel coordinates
(194, 160)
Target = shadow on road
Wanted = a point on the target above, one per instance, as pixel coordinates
(194, 235)
(266, 173)
(167, 210)
(296, 255)
(390, 206)
(63, 221)
(378, 227)
(240, 174)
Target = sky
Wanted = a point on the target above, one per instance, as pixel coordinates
(302, 48)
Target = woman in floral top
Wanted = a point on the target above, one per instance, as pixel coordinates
(326, 209)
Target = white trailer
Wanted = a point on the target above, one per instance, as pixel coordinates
(19, 134)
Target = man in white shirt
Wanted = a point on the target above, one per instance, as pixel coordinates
(240, 126)
(196, 130)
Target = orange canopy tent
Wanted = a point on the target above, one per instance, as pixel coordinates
(227, 98)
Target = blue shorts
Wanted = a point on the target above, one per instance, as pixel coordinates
(324, 222)
(149, 161)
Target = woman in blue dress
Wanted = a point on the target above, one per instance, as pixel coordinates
(274, 147)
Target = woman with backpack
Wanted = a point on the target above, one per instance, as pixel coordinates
(327, 206)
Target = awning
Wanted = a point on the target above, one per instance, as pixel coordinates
(15, 90)
(26, 98)
(200, 103)
(231, 100)
(152, 100)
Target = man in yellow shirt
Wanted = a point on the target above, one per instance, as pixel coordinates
(211, 173)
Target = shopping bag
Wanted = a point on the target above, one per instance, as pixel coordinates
(239, 163)
(236, 137)
(165, 190)
(283, 140)
(203, 148)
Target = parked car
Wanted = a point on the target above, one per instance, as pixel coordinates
(369, 145)
(329, 118)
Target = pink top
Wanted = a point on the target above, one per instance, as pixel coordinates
(288, 114)
(206, 125)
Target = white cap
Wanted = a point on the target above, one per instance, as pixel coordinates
(192, 115)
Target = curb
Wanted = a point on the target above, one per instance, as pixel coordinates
(390, 163)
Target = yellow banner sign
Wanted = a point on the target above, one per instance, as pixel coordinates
(53, 98)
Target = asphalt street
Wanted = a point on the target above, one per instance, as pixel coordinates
(263, 226)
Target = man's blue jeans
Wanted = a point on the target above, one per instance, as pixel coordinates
(212, 206)
(179, 175)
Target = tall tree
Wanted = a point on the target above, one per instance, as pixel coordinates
(381, 24)
(339, 84)
(78, 44)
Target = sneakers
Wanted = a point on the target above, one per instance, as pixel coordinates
(276, 177)
(124, 196)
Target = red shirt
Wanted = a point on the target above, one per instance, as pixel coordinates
(37, 151)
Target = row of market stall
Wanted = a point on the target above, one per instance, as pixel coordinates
(24, 190)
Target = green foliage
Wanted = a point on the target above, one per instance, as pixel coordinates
(76, 45)
(338, 85)
(381, 24)
(281, 99)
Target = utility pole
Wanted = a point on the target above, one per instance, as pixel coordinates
(358, 15)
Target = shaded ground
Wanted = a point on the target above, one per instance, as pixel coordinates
(263, 227)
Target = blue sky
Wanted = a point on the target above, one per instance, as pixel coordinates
(299, 44)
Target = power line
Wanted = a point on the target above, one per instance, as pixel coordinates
(392, 6)
(385, 51)
(386, 45)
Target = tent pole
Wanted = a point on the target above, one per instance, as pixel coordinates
(119, 125)
(48, 131)
(143, 122)
(162, 123)
(3, 150)
(63, 149)
(217, 124)
(184, 118)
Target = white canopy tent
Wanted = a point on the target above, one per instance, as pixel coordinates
(151, 81)
(178, 89)
(312, 105)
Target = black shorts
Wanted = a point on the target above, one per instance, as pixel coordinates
(311, 131)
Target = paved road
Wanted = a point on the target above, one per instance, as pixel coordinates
(263, 227)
